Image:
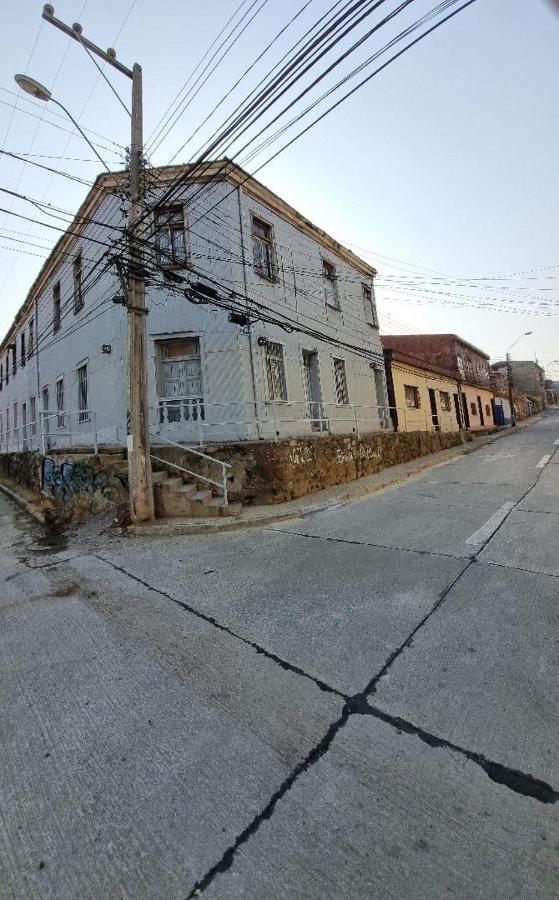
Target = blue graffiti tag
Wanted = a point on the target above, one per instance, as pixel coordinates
(70, 478)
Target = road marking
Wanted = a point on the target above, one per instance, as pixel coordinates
(485, 532)
(498, 456)
(543, 461)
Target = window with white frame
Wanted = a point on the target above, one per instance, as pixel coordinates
(33, 415)
(78, 287)
(170, 241)
(262, 248)
(61, 418)
(340, 382)
(275, 372)
(83, 410)
(369, 305)
(330, 280)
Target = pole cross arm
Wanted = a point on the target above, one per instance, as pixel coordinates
(75, 32)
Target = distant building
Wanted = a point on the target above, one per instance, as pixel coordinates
(464, 364)
(528, 378)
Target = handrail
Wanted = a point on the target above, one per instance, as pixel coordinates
(213, 459)
(167, 462)
(192, 450)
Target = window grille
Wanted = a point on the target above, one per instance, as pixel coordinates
(340, 382)
(275, 370)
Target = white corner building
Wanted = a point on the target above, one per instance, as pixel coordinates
(63, 362)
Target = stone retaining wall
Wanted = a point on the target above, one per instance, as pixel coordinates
(275, 473)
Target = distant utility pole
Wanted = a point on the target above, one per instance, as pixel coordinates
(511, 401)
(139, 461)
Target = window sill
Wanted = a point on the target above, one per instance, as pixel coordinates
(275, 401)
(271, 279)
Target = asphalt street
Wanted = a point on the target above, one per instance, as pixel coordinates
(359, 703)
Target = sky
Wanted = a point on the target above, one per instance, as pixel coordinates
(441, 170)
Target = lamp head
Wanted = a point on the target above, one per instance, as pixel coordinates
(35, 88)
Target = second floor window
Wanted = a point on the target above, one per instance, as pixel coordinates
(170, 241)
(56, 317)
(369, 305)
(275, 372)
(23, 352)
(1, 376)
(330, 284)
(262, 249)
(14, 359)
(78, 288)
(31, 347)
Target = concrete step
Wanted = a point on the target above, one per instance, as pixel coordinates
(202, 496)
(160, 476)
(189, 489)
(232, 509)
(171, 484)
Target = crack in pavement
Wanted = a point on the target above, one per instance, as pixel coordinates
(210, 620)
(517, 781)
(334, 540)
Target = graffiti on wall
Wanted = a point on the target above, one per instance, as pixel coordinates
(67, 479)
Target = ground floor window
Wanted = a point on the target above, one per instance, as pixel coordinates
(83, 409)
(445, 400)
(61, 418)
(33, 414)
(275, 372)
(340, 382)
(473, 409)
(179, 380)
(413, 400)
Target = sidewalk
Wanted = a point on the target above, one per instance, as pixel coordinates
(333, 496)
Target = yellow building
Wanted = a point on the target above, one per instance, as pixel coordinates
(480, 405)
(422, 396)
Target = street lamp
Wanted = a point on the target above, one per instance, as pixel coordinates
(509, 376)
(524, 334)
(40, 92)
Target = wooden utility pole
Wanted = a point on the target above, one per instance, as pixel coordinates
(140, 484)
(139, 460)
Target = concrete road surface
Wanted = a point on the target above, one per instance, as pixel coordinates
(363, 703)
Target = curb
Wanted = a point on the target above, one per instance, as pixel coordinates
(212, 526)
(22, 503)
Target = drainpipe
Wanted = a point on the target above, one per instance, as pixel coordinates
(250, 329)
